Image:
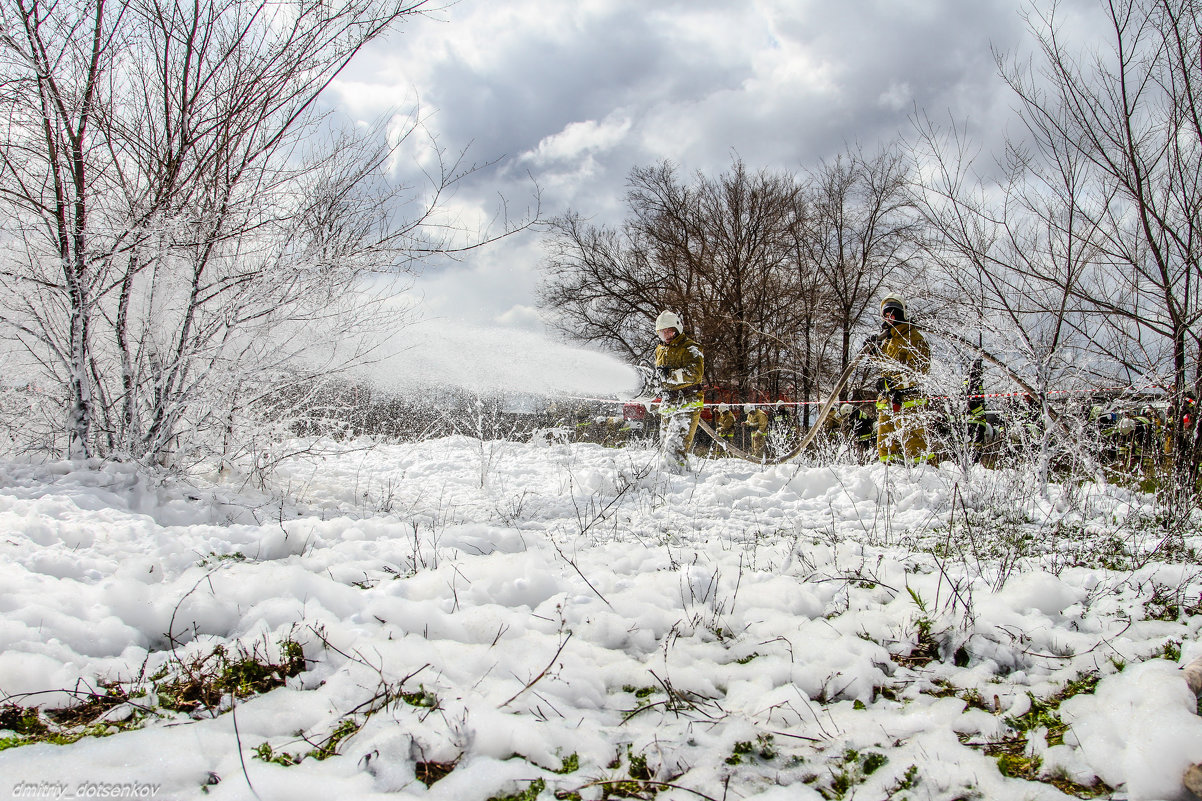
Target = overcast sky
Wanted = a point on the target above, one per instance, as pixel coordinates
(574, 93)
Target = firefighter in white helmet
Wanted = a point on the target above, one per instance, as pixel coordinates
(679, 365)
(757, 421)
(724, 427)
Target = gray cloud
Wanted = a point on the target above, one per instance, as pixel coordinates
(575, 94)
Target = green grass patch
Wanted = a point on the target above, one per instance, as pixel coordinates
(569, 764)
(850, 770)
(532, 791)
(422, 698)
(1011, 751)
(203, 683)
(763, 750)
(265, 753)
(329, 747)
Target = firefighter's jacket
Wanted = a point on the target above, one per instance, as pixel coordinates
(757, 420)
(862, 423)
(681, 365)
(903, 355)
(726, 423)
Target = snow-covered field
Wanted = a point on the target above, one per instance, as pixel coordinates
(528, 620)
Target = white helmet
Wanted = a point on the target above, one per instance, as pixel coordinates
(748, 408)
(722, 407)
(896, 301)
(668, 319)
(844, 410)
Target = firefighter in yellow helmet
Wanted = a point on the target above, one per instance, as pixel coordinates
(903, 356)
(679, 365)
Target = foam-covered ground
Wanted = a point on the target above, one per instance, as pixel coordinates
(739, 632)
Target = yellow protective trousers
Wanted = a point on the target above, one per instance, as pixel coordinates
(901, 436)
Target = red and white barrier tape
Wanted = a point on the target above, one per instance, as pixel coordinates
(637, 402)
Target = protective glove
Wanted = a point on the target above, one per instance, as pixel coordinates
(661, 373)
(895, 397)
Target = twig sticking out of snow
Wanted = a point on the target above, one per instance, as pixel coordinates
(544, 672)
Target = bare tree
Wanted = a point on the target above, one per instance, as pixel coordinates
(1088, 246)
(600, 286)
(813, 326)
(1128, 121)
(183, 219)
(860, 233)
(987, 239)
(718, 250)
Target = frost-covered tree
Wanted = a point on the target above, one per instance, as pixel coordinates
(1086, 253)
(986, 238)
(186, 226)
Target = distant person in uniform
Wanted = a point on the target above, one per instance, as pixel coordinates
(857, 425)
(725, 428)
(979, 421)
(757, 421)
(903, 356)
(784, 424)
(679, 366)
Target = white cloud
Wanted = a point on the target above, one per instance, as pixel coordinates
(521, 316)
(580, 138)
(789, 69)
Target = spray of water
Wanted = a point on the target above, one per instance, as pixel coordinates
(494, 361)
